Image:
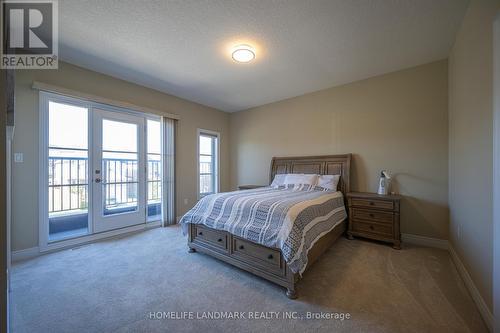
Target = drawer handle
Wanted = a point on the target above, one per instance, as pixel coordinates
(371, 215)
(200, 233)
(270, 256)
(241, 247)
(371, 227)
(219, 240)
(372, 203)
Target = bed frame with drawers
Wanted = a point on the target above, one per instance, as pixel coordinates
(264, 261)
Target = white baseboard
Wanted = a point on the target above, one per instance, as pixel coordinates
(25, 254)
(474, 292)
(425, 241)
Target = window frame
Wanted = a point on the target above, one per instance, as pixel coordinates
(216, 160)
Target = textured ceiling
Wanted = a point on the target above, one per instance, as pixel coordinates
(181, 47)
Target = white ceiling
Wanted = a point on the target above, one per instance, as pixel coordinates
(181, 46)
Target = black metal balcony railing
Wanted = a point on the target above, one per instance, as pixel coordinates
(154, 178)
(119, 183)
(68, 182)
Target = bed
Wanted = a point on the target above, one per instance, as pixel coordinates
(273, 232)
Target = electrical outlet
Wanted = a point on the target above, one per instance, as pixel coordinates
(186, 201)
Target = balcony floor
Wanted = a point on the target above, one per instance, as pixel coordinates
(71, 225)
(68, 234)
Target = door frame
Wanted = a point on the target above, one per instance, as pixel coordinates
(43, 224)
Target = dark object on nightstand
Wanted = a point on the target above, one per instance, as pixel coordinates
(374, 216)
(249, 187)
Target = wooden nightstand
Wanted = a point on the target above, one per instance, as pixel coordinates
(374, 216)
(249, 187)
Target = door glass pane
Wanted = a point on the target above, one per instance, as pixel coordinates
(154, 170)
(119, 167)
(67, 171)
(119, 136)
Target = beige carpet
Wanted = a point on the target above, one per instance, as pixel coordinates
(116, 285)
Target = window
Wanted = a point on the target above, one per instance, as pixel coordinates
(154, 169)
(208, 151)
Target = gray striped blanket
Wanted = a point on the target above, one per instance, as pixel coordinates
(289, 218)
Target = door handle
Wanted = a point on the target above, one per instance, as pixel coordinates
(98, 180)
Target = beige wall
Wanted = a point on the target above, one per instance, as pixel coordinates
(396, 121)
(25, 175)
(471, 144)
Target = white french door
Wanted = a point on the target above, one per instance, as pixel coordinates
(118, 183)
(100, 169)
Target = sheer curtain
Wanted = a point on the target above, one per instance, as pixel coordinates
(168, 159)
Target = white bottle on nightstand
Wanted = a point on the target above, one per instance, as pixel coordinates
(384, 182)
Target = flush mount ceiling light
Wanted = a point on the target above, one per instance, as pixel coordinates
(243, 53)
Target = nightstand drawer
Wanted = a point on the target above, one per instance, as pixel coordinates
(380, 204)
(372, 215)
(372, 228)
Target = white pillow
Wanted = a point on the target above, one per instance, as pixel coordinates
(301, 178)
(278, 180)
(328, 182)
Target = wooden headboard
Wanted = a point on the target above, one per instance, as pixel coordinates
(321, 165)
